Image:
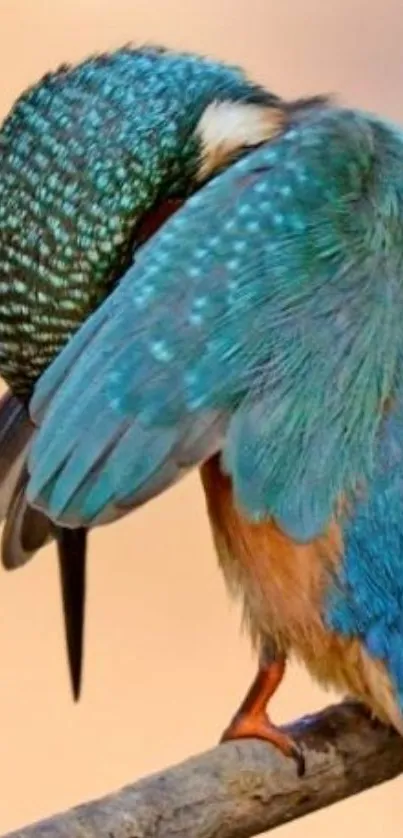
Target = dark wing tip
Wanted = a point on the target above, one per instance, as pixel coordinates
(26, 530)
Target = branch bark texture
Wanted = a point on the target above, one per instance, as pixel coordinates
(241, 789)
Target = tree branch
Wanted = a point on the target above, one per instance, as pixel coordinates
(241, 789)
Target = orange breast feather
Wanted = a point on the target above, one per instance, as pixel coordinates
(283, 587)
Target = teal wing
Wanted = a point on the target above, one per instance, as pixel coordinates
(262, 319)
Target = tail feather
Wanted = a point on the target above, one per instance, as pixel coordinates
(26, 530)
(72, 549)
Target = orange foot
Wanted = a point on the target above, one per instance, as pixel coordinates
(260, 727)
(252, 722)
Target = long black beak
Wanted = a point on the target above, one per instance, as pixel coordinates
(72, 554)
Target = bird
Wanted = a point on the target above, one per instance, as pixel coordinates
(93, 158)
(257, 337)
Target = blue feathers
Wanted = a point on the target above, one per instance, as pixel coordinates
(127, 434)
(284, 319)
(367, 598)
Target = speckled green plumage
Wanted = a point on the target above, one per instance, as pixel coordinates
(83, 155)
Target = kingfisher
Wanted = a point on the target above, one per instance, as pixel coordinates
(257, 337)
(93, 158)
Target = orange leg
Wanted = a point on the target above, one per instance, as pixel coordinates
(252, 721)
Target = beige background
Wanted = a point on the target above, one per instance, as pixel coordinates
(166, 664)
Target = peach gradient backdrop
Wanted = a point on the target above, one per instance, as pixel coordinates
(166, 663)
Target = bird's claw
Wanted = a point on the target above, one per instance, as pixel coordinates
(246, 726)
(299, 757)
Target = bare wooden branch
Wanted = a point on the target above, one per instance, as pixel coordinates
(241, 789)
